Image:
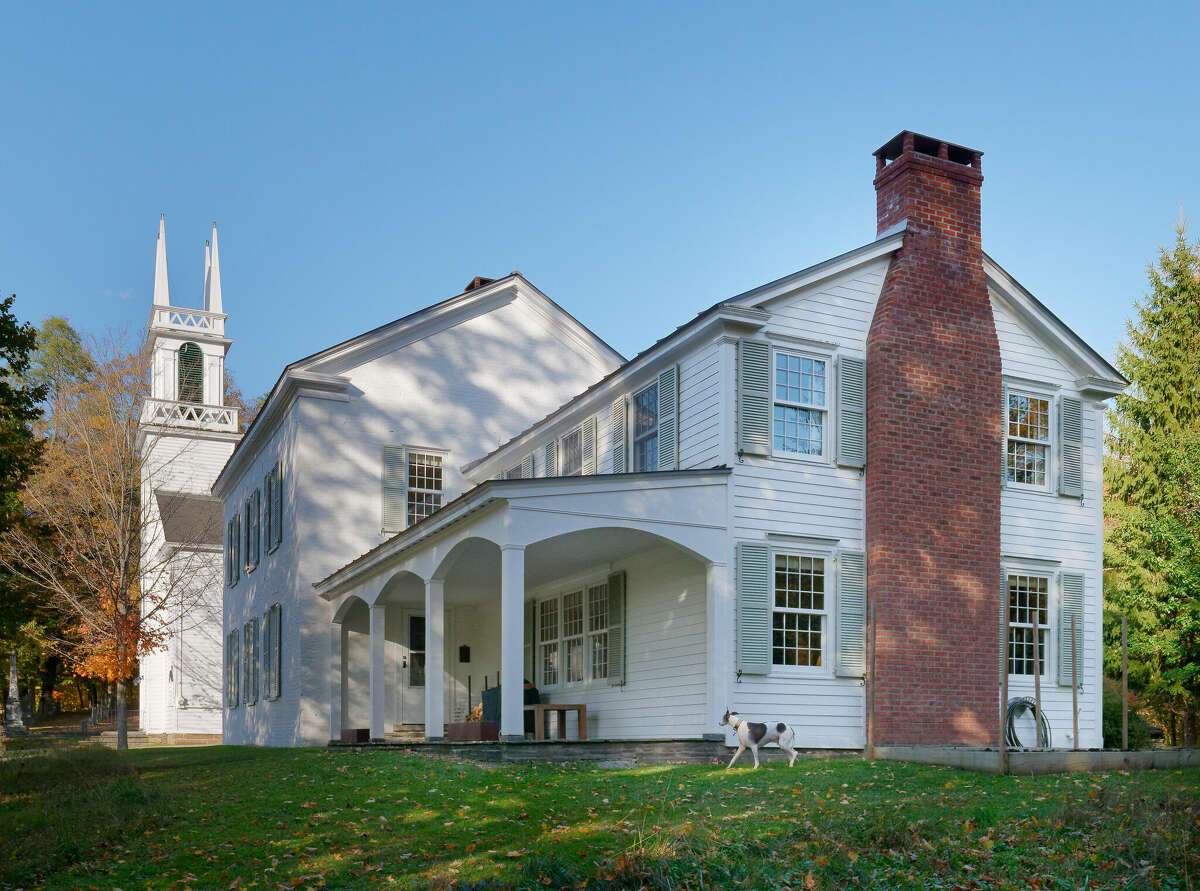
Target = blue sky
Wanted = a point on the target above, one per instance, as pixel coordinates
(635, 161)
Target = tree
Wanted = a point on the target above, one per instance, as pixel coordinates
(86, 545)
(20, 406)
(60, 356)
(1152, 537)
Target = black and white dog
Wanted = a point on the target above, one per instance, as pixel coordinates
(751, 735)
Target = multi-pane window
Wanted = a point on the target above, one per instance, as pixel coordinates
(513, 473)
(548, 640)
(253, 536)
(645, 429)
(233, 542)
(799, 419)
(799, 615)
(424, 485)
(573, 636)
(570, 454)
(1027, 449)
(1028, 623)
(250, 660)
(191, 374)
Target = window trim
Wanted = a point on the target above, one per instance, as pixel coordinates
(1035, 391)
(817, 355)
(1053, 579)
(582, 584)
(632, 433)
(828, 626)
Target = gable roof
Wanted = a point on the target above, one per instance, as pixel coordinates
(480, 296)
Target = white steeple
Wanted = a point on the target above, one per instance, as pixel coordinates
(212, 285)
(162, 294)
(207, 265)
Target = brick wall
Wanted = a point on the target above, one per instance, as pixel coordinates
(933, 458)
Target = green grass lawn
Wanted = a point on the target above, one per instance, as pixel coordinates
(252, 818)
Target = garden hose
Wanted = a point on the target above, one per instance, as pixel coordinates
(1016, 706)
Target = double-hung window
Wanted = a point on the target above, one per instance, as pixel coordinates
(570, 454)
(253, 537)
(1027, 440)
(424, 485)
(800, 409)
(799, 616)
(645, 429)
(1028, 623)
(573, 636)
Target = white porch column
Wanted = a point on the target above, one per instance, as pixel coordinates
(336, 680)
(719, 634)
(435, 651)
(378, 669)
(512, 642)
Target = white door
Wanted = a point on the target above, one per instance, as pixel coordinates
(412, 668)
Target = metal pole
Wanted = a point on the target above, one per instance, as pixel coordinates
(1124, 687)
(1037, 684)
(1003, 687)
(1074, 684)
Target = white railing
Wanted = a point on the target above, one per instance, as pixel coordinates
(167, 413)
(182, 319)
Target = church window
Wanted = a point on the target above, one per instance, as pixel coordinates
(424, 485)
(191, 374)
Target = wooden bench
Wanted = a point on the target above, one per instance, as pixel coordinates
(560, 709)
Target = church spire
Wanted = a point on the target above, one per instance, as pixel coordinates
(162, 294)
(212, 283)
(207, 268)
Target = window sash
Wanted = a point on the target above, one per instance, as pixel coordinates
(1028, 454)
(800, 613)
(570, 453)
(1028, 609)
(792, 416)
(424, 474)
(572, 636)
(645, 429)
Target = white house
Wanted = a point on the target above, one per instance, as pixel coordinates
(815, 501)
(185, 436)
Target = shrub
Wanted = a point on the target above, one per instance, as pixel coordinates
(1139, 728)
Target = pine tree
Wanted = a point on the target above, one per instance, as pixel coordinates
(1151, 472)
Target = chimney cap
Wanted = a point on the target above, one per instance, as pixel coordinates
(926, 145)
(477, 282)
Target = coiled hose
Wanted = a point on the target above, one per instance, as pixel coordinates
(1016, 706)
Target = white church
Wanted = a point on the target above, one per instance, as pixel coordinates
(806, 502)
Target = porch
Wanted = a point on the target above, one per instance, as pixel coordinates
(611, 592)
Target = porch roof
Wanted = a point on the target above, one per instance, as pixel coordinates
(495, 493)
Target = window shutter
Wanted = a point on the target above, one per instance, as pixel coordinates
(616, 629)
(851, 661)
(552, 458)
(268, 663)
(589, 446)
(277, 507)
(668, 418)
(1070, 446)
(852, 412)
(235, 548)
(1070, 604)
(277, 646)
(754, 608)
(268, 509)
(754, 397)
(527, 467)
(395, 480)
(619, 426)
(531, 641)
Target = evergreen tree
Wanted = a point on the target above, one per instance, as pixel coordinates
(1152, 536)
(20, 406)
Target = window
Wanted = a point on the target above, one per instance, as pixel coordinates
(1027, 449)
(424, 485)
(233, 540)
(191, 374)
(799, 615)
(645, 429)
(250, 660)
(513, 473)
(573, 636)
(232, 669)
(416, 651)
(799, 419)
(570, 454)
(1028, 615)
(272, 511)
(272, 664)
(253, 538)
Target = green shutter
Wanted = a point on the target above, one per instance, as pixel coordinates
(1070, 604)
(852, 412)
(619, 426)
(530, 642)
(527, 467)
(191, 374)
(588, 435)
(754, 397)
(551, 458)
(668, 418)
(851, 661)
(395, 485)
(1070, 446)
(754, 608)
(616, 629)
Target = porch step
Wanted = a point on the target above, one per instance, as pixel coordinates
(406, 733)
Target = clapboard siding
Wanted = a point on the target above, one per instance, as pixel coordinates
(699, 408)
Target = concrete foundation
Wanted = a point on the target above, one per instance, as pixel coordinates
(1029, 763)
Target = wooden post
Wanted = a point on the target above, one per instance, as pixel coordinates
(871, 686)
(1037, 686)
(1004, 630)
(1074, 684)
(1124, 687)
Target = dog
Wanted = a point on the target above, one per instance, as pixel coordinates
(751, 736)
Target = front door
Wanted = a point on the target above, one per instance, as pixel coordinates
(412, 668)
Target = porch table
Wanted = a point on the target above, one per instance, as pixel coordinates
(561, 709)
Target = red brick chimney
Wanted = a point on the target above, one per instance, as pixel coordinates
(934, 418)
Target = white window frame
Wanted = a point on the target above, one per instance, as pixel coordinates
(1050, 395)
(583, 586)
(827, 614)
(827, 358)
(631, 433)
(577, 430)
(1053, 578)
(409, 489)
